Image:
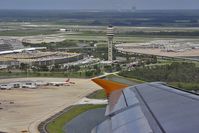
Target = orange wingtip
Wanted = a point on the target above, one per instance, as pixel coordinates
(109, 86)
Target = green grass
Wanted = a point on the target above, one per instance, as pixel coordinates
(57, 125)
(132, 79)
(99, 94)
(43, 74)
(186, 86)
(27, 32)
(124, 80)
(178, 74)
(135, 39)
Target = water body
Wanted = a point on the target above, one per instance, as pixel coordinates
(85, 122)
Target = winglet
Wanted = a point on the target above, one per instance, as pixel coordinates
(109, 86)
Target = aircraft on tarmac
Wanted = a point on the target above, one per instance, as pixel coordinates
(65, 83)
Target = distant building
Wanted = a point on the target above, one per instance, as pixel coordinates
(13, 53)
(18, 84)
(62, 30)
(38, 58)
(133, 8)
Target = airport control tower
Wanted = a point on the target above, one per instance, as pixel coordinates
(110, 35)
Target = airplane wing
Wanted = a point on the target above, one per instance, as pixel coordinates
(150, 108)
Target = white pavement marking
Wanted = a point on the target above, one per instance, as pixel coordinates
(91, 101)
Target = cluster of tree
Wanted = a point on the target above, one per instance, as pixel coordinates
(112, 67)
(176, 72)
(97, 52)
(142, 59)
(91, 73)
(52, 45)
(87, 71)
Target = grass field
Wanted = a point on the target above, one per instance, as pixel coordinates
(90, 33)
(186, 86)
(99, 94)
(104, 38)
(124, 80)
(27, 32)
(124, 38)
(43, 74)
(57, 125)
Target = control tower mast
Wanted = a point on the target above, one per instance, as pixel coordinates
(110, 35)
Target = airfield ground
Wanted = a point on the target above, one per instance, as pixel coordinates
(158, 52)
(39, 32)
(23, 109)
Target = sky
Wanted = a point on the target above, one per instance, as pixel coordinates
(99, 4)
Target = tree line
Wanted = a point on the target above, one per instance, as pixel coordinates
(175, 72)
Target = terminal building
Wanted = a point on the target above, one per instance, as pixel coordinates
(13, 53)
(38, 58)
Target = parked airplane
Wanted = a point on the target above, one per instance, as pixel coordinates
(66, 83)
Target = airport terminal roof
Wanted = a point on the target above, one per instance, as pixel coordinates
(21, 50)
(34, 56)
(151, 108)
